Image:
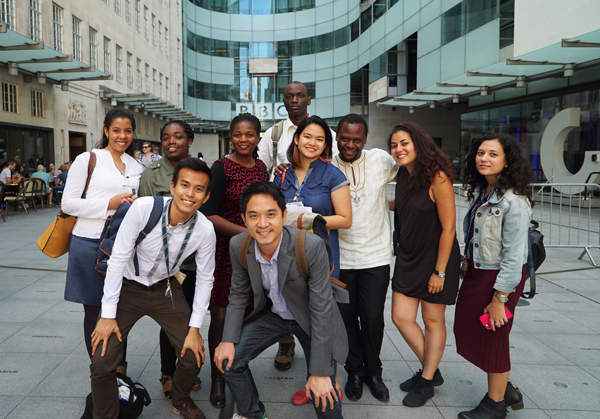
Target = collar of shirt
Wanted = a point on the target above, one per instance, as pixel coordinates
(261, 259)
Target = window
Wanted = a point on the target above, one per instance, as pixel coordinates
(6, 13)
(118, 7)
(179, 95)
(119, 69)
(167, 89)
(178, 51)
(159, 35)
(76, 38)
(137, 15)
(138, 68)
(37, 103)
(167, 42)
(153, 30)
(57, 26)
(35, 20)
(93, 47)
(154, 82)
(106, 55)
(128, 11)
(147, 77)
(129, 70)
(9, 97)
(160, 85)
(146, 22)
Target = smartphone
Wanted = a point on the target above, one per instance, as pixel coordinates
(485, 319)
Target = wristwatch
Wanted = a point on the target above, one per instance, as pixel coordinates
(502, 298)
(441, 274)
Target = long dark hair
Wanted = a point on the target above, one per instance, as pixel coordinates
(293, 154)
(517, 174)
(248, 117)
(430, 157)
(108, 119)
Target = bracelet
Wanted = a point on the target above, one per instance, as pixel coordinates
(464, 263)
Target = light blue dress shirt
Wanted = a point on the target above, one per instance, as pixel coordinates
(270, 281)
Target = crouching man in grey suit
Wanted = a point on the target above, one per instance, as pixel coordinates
(284, 303)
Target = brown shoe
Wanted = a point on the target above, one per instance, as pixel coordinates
(217, 391)
(285, 356)
(188, 410)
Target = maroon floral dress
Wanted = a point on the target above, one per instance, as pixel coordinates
(230, 179)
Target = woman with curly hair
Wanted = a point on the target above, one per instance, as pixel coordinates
(496, 232)
(428, 256)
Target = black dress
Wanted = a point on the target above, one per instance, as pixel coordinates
(419, 242)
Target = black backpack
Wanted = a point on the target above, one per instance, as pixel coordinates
(111, 228)
(131, 408)
(535, 258)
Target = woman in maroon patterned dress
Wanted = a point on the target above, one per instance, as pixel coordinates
(231, 175)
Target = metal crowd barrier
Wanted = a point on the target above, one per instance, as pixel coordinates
(568, 214)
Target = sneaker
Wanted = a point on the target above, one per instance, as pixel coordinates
(409, 384)
(419, 395)
(285, 356)
(238, 416)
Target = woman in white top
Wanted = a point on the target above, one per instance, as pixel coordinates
(115, 179)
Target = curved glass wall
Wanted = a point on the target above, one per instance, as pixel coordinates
(255, 7)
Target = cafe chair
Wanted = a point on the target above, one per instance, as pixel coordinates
(2, 199)
(18, 200)
(42, 191)
(32, 190)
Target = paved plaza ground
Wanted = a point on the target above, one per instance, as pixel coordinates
(555, 344)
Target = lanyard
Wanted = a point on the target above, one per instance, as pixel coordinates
(166, 245)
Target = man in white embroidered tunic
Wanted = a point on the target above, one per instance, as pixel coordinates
(155, 291)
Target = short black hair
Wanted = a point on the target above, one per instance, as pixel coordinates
(353, 118)
(189, 132)
(196, 165)
(262, 188)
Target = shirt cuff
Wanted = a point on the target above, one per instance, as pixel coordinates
(197, 318)
(109, 311)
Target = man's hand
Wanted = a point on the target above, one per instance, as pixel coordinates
(225, 351)
(195, 343)
(322, 389)
(102, 332)
(281, 168)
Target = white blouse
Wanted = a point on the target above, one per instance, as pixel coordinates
(106, 182)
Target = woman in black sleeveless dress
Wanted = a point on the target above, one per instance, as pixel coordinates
(428, 257)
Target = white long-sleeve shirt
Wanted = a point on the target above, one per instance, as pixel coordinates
(265, 147)
(106, 182)
(150, 252)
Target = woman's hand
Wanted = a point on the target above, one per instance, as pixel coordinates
(281, 168)
(497, 313)
(117, 200)
(436, 284)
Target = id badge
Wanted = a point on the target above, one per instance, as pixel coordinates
(129, 186)
(296, 206)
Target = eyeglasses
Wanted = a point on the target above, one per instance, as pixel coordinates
(145, 146)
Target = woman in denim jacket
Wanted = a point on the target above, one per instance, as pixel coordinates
(496, 233)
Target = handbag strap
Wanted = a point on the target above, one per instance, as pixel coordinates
(91, 167)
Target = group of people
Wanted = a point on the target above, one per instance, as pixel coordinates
(53, 180)
(221, 245)
(148, 155)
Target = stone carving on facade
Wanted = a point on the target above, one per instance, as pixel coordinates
(77, 112)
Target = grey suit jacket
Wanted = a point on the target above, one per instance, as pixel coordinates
(311, 301)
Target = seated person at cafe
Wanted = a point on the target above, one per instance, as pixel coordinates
(6, 174)
(48, 182)
(61, 181)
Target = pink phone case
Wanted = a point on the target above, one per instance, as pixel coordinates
(485, 319)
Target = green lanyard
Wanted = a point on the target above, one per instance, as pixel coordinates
(190, 228)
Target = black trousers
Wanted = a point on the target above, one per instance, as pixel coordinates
(367, 289)
(168, 353)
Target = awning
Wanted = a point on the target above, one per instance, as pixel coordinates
(21, 53)
(560, 60)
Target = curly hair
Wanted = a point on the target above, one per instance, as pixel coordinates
(189, 132)
(517, 174)
(430, 157)
(248, 117)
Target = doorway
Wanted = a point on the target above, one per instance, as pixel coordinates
(76, 144)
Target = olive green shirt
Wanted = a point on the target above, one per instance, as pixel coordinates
(156, 180)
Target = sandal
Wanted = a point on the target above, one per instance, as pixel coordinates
(164, 380)
(197, 384)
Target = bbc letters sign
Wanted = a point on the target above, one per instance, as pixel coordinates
(263, 111)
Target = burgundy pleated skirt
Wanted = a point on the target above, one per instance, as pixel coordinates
(484, 348)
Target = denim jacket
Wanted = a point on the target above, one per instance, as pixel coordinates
(500, 237)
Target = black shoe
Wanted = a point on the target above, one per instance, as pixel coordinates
(513, 397)
(419, 395)
(409, 384)
(487, 409)
(354, 387)
(378, 388)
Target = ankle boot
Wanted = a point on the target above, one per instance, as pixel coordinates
(487, 409)
(217, 388)
(513, 397)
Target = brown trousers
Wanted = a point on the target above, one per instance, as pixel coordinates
(136, 301)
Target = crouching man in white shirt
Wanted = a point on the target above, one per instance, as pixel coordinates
(156, 292)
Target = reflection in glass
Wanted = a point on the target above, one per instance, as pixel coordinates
(366, 18)
(263, 7)
(263, 89)
(453, 24)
